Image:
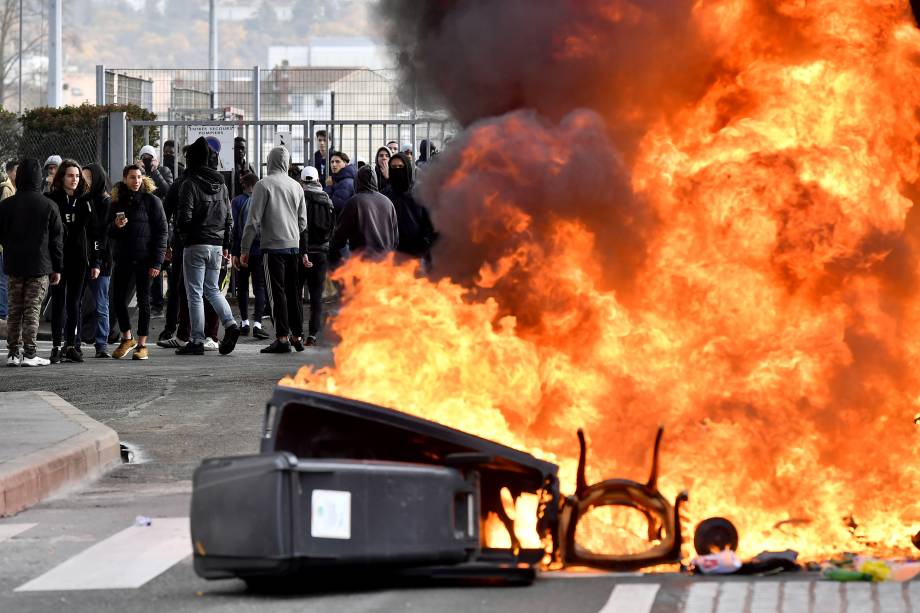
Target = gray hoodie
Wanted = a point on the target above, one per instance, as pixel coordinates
(277, 208)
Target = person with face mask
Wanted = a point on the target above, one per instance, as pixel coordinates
(161, 175)
(382, 168)
(176, 167)
(416, 231)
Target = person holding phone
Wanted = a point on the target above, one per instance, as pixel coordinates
(137, 232)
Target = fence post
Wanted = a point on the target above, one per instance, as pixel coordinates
(118, 142)
(100, 84)
(257, 114)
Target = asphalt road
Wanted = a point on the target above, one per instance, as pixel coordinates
(176, 411)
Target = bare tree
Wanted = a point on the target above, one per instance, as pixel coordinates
(33, 32)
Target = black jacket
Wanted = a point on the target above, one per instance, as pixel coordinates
(40, 250)
(416, 231)
(320, 218)
(143, 239)
(162, 178)
(80, 228)
(368, 221)
(203, 216)
(99, 201)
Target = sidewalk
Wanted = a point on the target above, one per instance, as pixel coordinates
(46, 445)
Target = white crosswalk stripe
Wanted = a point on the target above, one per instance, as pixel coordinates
(733, 596)
(128, 559)
(766, 597)
(827, 597)
(8, 531)
(859, 597)
(631, 598)
(913, 595)
(701, 598)
(796, 596)
(891, 598)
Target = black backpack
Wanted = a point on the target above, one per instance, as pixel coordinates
(321, 216)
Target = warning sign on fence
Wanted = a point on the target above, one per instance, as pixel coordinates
(221, 140)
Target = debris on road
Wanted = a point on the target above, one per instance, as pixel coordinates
(715, 534)
(143, 520)
(722, 563)
(859, 568)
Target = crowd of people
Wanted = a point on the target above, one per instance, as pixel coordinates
(65, 228)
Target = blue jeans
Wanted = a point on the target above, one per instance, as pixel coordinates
(201, 271)
(100, 289)
(3, 290)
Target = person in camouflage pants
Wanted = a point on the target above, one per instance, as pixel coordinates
(25, 295)
(33, 257)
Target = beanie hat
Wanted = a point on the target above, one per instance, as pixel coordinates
(54, 160)
(148, 150)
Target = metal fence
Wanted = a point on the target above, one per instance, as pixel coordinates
(358, 139)
(290, 94)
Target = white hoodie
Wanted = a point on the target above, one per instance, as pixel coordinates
(277, 209)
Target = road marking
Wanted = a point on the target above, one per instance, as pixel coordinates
(128, 559)
(701, 598)
(733, 596)
(766, 597)
(827, 597)
(859, 597)
(8, 531)
(891, 598)
(631, 598)
(913, 594)
(796, 596)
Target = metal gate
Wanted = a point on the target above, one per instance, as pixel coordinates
(358, 139)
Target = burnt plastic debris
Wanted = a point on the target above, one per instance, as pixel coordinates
(714, 535)
(771, 562)
(916, 540)
(342, 486)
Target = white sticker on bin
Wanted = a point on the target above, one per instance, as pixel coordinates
(331, 514)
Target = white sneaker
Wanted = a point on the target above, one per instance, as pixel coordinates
(210, 345)
(13, 359)
(35, 361)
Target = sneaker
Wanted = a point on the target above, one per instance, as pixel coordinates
(13, 359)
(102, 353)
(244, 330)
(56, 355)
(140, 353)
(311, 341)
(231, 335)
(277, 347)
(123, 348)
(259, 333)
(72, 354)
(191, 348)
(165, 335)
(297, 344)
(35, 361)
(210, 345)
(172, 342)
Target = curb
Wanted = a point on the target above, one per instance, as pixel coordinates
(33, 477)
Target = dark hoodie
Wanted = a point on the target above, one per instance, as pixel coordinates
(368, 220)
(40, 251)
(203, 216)
(99, 200)
(343, 188)
(382, 181)
(416, 232)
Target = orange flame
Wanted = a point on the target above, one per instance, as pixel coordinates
(772, 326)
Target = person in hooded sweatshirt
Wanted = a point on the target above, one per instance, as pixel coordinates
(368, 224)
(320, 229)
(97, 195)
(205, 222)
(278, 216)
(31, 259)
(416, 232)
(340, 185)
(137, 232)
(382, 168)
(80, 255)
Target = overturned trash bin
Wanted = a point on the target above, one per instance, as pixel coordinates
(342, 484)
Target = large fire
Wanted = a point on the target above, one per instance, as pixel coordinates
(746, 274)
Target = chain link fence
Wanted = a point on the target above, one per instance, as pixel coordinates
(83, 145)
(292, 94)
